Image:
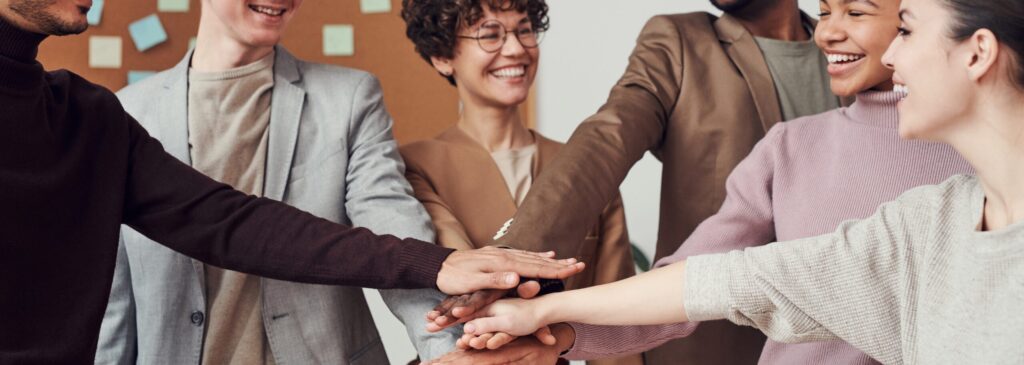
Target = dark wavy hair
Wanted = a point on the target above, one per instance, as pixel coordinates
(1005, 18)
(433, 25)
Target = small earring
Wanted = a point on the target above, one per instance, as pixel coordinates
(447, 74)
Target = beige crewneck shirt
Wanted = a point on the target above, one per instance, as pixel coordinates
(516, 166)
(228, 116)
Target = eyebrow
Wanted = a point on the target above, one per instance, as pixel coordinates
(869, 2)
(905, 13)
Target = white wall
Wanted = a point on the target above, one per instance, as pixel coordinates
(582, 56)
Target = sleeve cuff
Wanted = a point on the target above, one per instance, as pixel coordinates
(706, 287)
(422, 262)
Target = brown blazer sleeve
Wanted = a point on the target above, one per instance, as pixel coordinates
(570, 194)
(614, 259)
(450, 233)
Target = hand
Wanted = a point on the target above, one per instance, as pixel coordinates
(459, 308)
(526, 350)
(467, 271)
(516, 317)
(494, 341)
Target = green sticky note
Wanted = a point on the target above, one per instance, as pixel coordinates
(104, 52)
(172, 6)
(375, 6)
(339, 40)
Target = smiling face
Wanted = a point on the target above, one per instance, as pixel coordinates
(930, 70)
(53, 17)
(854, 35)
(499, 79)
(253, 23)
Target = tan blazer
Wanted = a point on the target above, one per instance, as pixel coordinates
(698, 94)
(468, 201)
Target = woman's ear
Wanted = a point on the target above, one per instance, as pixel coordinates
(443, 65)
(983, 54)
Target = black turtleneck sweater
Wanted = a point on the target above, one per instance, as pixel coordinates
(74, 167)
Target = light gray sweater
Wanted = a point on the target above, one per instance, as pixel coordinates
(915, 283)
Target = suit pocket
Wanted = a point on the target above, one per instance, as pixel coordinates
(326, 161)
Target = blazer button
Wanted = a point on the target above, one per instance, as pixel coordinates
(197, 318)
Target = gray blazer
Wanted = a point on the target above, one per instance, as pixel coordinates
(331, 153)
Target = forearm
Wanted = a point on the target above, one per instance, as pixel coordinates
(599, 342)
(659, 292)
(409, 306)
(196, 216)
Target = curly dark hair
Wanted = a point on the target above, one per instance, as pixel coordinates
(433, 25)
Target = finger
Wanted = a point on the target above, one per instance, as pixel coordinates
(480, 342)
(488, 325)
(478, 300)
(548, 271)
(462, 343)
(432, 315)
(500, 339)
(434, 327)
(528, 289)
(493, 280)
(545, 336)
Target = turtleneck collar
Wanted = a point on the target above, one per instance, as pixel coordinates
(876, 108)
(19, 70)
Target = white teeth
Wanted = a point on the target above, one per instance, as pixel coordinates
(266, 10)
(901, 90)
(510, 72)
(842, 58)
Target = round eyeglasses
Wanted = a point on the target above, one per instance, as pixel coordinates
(492, 35)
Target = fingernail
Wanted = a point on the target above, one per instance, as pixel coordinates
(510, 279)
(469, 328)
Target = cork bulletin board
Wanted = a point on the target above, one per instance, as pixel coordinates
(419, 100)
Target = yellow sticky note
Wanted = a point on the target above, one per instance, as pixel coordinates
(172, 6)
(375, 6)
(104, 51)
(339, 40)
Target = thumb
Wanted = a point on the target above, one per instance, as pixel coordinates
(528, 290)
(498, 280)
(481, 326)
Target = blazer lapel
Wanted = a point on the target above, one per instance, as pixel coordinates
(479, 162)
(747, 57)
(285, 114)
(174, 134)
(174, 118)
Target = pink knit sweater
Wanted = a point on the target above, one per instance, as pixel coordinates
(804, 178)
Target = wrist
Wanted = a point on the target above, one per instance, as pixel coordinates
(546, 309)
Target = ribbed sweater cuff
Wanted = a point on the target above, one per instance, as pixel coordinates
(706, 287)
(421, 262)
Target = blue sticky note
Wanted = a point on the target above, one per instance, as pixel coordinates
(339, 40)
(95, 12)
(375, 6)
(136, 76)
(147, 32)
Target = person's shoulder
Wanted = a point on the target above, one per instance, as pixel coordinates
(942, 198)
(143, 94)
(82, 94)
(337, 76)
(813, 123)
(699, 20)
(420, 153)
